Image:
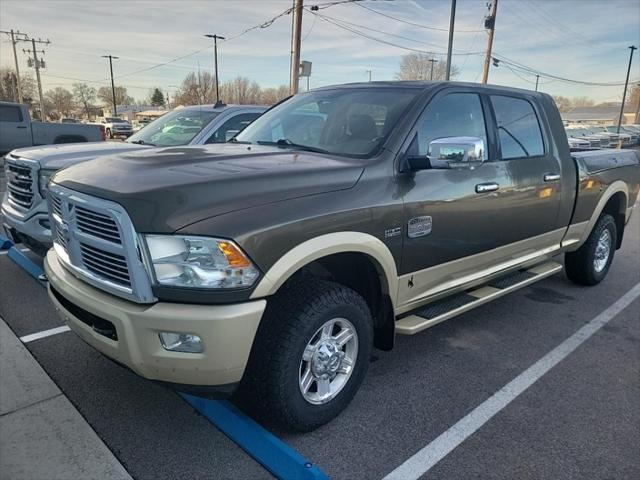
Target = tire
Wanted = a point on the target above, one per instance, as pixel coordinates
(586, 266)
(289, 333)
(108, 133)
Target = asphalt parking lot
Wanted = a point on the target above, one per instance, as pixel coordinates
(581, 420)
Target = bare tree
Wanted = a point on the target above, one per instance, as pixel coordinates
(417, 66)
(61, 99)
(8, 86)
(122, 97)
(582, 102)
(563, 103)
(85, 96)
(269, 96)
(240, 90)
(196, 89)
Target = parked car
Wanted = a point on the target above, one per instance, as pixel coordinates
(634, 137)
(595, 140)
(140, 124)
(24, 207)
(115, 127)
(614, 138)
(17, 130)
(340, 218)
(578, 143)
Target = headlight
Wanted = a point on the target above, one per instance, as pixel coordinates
(199, 262)
(44, 175)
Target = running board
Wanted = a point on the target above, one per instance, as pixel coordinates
(447, 308)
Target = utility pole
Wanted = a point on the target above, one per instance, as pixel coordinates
(537, 78)
(637, 119)
(369, 72)
(626, 84)
(296, 32)
(38, 64)
(215, 60)
(450, 47)
(490, 23)
(113, 87)
(15, 38)
(433, 61)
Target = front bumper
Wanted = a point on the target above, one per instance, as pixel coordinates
(35, 225)
(227, 331)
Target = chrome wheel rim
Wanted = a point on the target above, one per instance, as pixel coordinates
(603, 250)
(328, 361)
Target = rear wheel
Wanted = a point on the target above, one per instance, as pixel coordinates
(311, 354)
(108, 133)
(591, 262)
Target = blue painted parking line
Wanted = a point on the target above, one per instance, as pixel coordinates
(272, 453)
(27, 265)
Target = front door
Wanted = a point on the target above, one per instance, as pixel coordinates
(455, 231)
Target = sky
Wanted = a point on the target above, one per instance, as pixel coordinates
(585, 40)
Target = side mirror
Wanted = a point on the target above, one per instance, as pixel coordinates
(456, 152)
(229, 134)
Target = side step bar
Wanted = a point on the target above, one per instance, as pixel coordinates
(442, 310)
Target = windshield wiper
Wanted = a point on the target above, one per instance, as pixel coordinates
(142, 142)
(285, 142)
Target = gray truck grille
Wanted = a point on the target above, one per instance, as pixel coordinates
(20, 185)
(95, 239)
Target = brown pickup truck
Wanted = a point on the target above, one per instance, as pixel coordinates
(272, 265)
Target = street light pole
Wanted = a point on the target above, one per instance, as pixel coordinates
(215, 61)
(626, 84)
(113, 87)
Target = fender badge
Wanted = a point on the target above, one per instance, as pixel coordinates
(392, 232)
(419, 226)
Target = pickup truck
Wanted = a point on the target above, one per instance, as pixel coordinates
(24, 208)
(17, 130)
(273, 264)
(115, 127)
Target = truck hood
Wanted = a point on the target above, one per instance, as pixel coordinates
(166, 189)
(62, 155)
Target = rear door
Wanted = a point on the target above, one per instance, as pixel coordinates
(14, 128)
(469, 232)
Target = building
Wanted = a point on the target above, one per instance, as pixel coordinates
(606, 114)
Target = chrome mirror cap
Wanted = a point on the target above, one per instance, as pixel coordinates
(456, 152)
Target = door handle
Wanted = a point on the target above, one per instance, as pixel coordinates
(486, 187)
(551, 177)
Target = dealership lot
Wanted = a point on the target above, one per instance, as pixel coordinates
(580, 420)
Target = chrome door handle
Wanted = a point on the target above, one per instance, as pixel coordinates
(486, 187)
(551, 177)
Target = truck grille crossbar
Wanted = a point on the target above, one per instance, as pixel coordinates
(20, 184)
(95, 239)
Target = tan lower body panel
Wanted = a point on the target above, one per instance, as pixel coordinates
(227, 331)
(413, 323)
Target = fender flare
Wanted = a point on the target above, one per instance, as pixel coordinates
(616, 187)
(329, 244)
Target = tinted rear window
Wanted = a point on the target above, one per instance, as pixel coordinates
(518, 127)
(9, 113)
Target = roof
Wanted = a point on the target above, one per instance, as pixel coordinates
(600, 112)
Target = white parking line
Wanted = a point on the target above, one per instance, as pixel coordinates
(43, 334)
(421, 462)
(4, 252)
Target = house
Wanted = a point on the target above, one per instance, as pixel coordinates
(606, 114)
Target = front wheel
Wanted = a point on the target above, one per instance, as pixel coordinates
(311, 354)
(591, 262)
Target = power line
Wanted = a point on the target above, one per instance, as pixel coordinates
(379, 40)
(413, 23)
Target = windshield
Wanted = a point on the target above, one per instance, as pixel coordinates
(347, 121)
(175, 128)
(115, 120)
(599, 129)
(572, 132)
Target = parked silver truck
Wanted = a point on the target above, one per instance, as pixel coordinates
(28, 170)
(17, 130)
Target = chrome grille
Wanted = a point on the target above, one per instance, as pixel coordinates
(97, 224)
(109, 265)
(95, 239)
(20, 184)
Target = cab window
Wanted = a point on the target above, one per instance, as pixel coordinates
(452, 115)
(518, 128)
(235, 124)
(9, 113)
